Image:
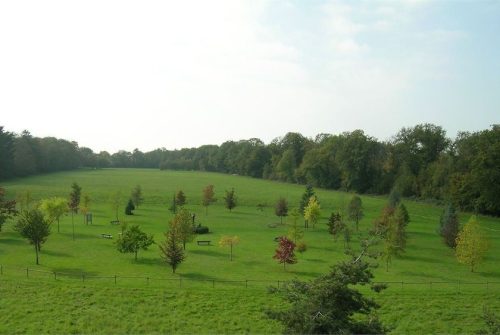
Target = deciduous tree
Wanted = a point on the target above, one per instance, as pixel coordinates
(230, 199)
(295, 233)
(208, 197)
(312, 212)
(355, 210)
(285, 253)
(229, 241)
(85, 208)
(472, 244)
(171, 251)
(54, 208)
(183, 227)
(7, 207)
(336, 225)
(136, 196)
(74, 203)
(132, 240)
(116, 202)
(33, 226)
(129, 208)
(281, 208)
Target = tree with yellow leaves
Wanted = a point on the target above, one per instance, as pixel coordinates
(312, 211)
(229, 241)
(471, 244)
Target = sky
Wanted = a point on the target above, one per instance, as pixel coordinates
(115, 75)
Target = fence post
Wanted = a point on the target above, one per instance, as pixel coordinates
(27, 273)
(147, 279)
(115, 279)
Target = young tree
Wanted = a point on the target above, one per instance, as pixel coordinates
(295, 233)
(394, 241)
(355, 210)
(394, 198)
(285, 252)
(24, 200)
(54, 208)
(171, 251)
(182, 226)
(132, 240)
(7, 208)
(449, 226)
(33, 226)
(336, 225)
(130, 208)
(312, 212)
(173, 206)
(229, 241)
(230, 199)
(136, 196)
(85, 207)
(74, 203)
(116, 202)
(402, 212)
(308, 193)
(471, 244)
(331, 304)
(208, 197)
(180, 198)
(281, 208)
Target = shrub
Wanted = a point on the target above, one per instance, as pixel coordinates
(201, 229)
(301, 247)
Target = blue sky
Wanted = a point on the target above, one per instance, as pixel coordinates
(125, 74)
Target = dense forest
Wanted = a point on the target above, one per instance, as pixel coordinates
(420, 162)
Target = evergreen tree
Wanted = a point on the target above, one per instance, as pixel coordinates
(394, 198)
(335, 225)
(171, 251)
(449, 226)
(7, 207)
(180, 198)
(130, 207)
(304, 201)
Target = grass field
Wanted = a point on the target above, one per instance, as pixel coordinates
(415, 308)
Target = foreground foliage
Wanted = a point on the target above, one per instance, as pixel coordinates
(331, 304)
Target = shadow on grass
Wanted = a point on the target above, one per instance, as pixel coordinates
(55, 253)
(208, 253)
(147, 261)
(423, 259)
(10, 241)
(196, 276)
(489, 274)
(303, 273)
(73, 272)
(315, 260)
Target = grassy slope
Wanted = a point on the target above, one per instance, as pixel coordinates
(426, 258)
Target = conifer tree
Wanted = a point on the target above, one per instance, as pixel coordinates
(449, 226)
(171, 250)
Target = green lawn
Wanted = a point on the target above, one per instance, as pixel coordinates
(426, 258)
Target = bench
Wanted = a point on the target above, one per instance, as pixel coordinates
(114, 222)
(203, 242)
(106, 236)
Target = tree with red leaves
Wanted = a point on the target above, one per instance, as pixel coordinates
(284, 254)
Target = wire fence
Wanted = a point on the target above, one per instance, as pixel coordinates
(186, 282)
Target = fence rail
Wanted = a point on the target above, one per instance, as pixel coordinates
(181, 281)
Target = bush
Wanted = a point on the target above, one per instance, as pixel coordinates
(301, 247)
(201, 229)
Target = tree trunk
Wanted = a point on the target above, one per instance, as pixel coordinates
(58, 225)
(36, 252)
(173, 269)
(73, 223)
(136, 255)
(184, 245)
(281, 220)
(284, 266)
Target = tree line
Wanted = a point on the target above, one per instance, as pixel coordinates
(420, 162)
